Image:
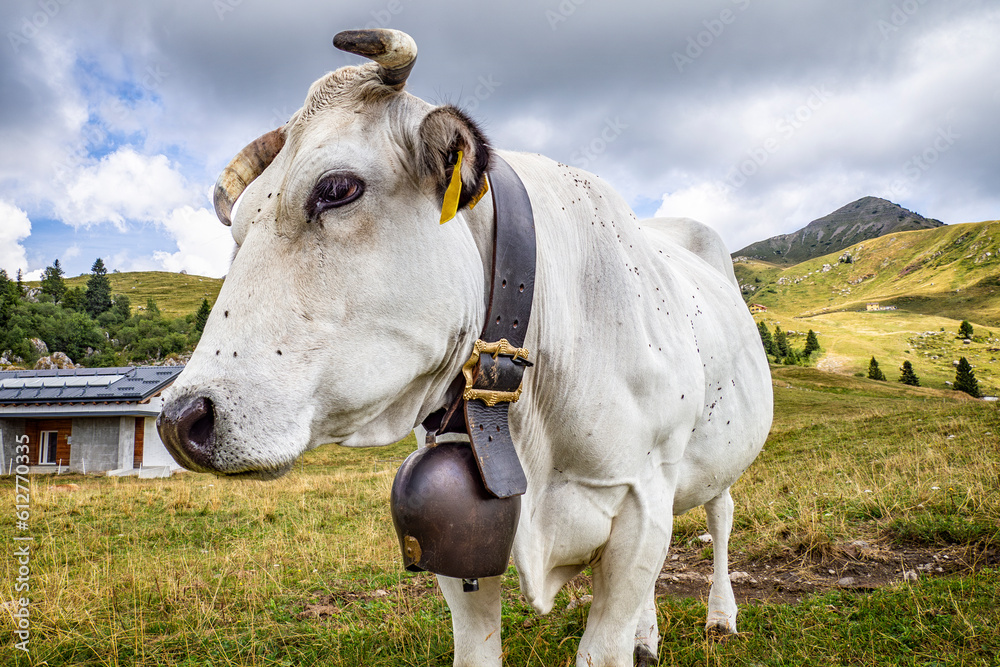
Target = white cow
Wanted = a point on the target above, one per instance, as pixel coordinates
(349, 311)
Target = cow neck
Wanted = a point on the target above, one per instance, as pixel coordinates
(491, 380)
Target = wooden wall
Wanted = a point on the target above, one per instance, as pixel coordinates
(63, 427)
(140, 433)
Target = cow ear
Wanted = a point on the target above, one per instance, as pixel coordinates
(443, 133)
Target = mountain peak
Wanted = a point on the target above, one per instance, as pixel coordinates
(866, 218)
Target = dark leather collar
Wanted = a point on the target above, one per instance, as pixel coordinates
(493, 375)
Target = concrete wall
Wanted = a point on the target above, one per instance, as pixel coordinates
(96, 444)
(154, 453)
(104, 443)
(126, 443)
(10, 430)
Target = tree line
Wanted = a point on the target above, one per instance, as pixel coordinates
(776, 345)
(91, 325)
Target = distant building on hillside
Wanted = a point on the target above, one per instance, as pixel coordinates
(876, 306)
(757, 308)
(86, 419)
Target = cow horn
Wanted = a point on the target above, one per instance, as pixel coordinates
(248, 164)
(394, 50)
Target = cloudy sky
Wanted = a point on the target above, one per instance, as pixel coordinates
(755, 116)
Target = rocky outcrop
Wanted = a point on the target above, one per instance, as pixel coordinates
(39, 345)
(861, 220)
(57, 360)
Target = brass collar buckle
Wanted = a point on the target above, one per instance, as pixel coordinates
(497, 377)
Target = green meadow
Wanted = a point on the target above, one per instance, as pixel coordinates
(175, 294)
(304, 570)
(924, 282)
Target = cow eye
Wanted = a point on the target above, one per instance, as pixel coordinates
(332, 191)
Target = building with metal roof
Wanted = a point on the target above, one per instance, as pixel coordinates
(85, 419)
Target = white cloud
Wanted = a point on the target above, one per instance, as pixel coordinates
(204, 245)
(123, 185)
(43, 134)
(126, 186)
(526, 132)
(14, 228)
(124, 261)
(741, 218)
(71, 252)
(170, 83)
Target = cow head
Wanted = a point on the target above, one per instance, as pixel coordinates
(348, 310)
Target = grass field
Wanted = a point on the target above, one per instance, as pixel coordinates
(951, 271)
(930, 343)
(176, 294)
(933, 278)
(196, 570)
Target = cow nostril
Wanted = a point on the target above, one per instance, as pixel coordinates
(202, 427)
(188, 431)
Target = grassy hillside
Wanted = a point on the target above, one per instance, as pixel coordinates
(933, 278)
(197, 570)
(175, 294)
(953, 271)
(866, 218)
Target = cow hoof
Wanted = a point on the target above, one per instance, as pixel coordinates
(720, 629)
(643, 656)
(721, 623)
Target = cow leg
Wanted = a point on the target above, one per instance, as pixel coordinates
(624, 578)
(647, 634)
(721, 603)
(475, 621)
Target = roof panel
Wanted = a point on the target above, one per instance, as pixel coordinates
(81, 385)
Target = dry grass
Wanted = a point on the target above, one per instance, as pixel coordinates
(196, 570)
(851, 458)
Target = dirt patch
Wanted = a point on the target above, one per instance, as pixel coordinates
(834, 363)
(860, 566)
(331, 604)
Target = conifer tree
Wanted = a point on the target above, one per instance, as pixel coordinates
(8, 299)
(52, 282)
(201, 317)
(122, 307)
(766, 339)
(908, 376)
(965, 329)
(965, 379)
(874, 372)
(98, 296)
(781, 342)
(812, 344)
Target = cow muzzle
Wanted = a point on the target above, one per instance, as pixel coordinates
(189, 430)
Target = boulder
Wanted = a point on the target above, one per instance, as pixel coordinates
(39, 345)
(58, 360)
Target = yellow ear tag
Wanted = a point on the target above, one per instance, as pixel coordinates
(482, 193)
(449, 209)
